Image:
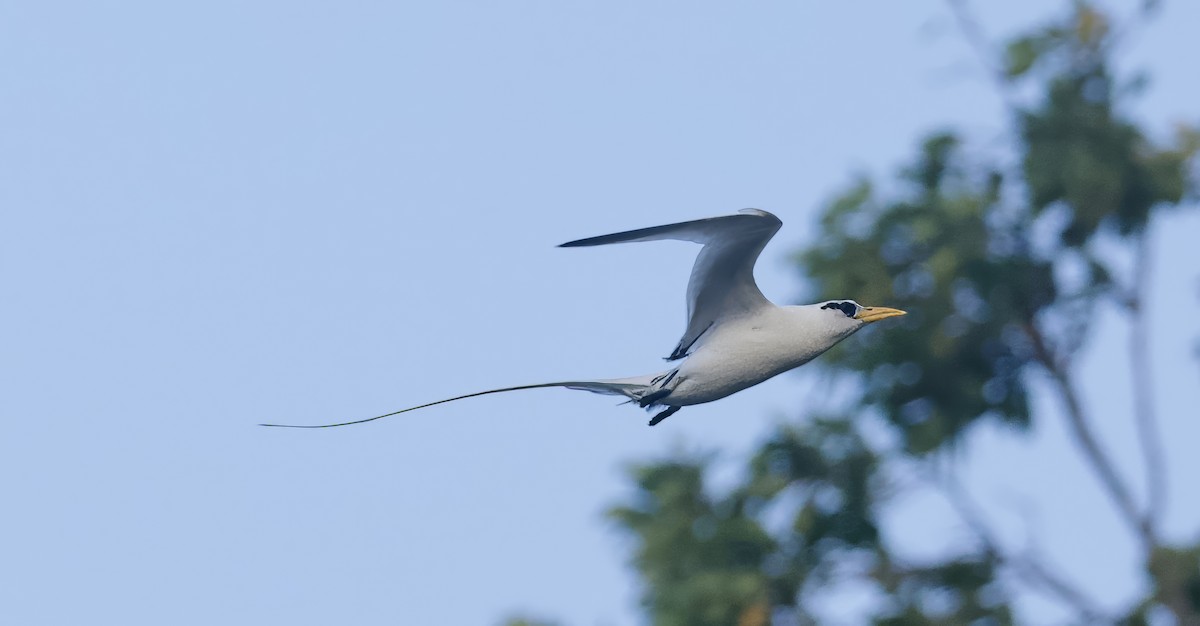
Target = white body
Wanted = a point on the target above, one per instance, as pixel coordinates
(735, 338)
(749, 349)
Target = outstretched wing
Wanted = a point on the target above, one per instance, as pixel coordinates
(722, 283)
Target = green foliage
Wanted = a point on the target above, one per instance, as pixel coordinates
(526, 621)
(1176, 575)
(703, 557)
(961, 265)
(1080, 154)
(997, 268)
(956, 249)
(828, 469)
(959, 591)
(710, 560)
(1082, 157)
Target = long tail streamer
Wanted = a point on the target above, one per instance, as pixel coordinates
(371, 419)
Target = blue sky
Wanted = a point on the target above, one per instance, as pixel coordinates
(221, 213)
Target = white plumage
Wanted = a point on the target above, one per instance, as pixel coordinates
(735, 338)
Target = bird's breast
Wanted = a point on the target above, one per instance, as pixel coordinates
(740, 357)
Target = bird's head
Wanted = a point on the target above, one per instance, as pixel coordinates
(847, 316)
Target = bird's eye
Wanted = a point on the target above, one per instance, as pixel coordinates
(849, 308)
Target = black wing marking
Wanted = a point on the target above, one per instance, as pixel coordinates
(722, 282)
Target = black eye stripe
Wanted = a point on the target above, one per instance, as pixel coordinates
(845, 307)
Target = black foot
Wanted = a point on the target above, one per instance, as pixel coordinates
(664, 415)
(651, 398)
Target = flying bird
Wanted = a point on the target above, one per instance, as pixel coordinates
(735, 338)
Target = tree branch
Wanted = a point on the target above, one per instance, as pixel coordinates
(1081, 430)
(973, 34)
(1027, 566)
(1149, 435)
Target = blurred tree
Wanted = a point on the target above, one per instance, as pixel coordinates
(526, 621)
(998, 261)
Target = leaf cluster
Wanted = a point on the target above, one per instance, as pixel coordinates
(805, 519)
(962, 266)
(998, 262)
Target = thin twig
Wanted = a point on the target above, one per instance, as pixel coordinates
(1033, 570)
(1081, 430)
(1149, 434)
(973, 34)
(984, 51)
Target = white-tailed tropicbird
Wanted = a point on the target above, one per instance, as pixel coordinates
(735, 337)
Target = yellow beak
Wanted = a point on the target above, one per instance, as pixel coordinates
(870, 314)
